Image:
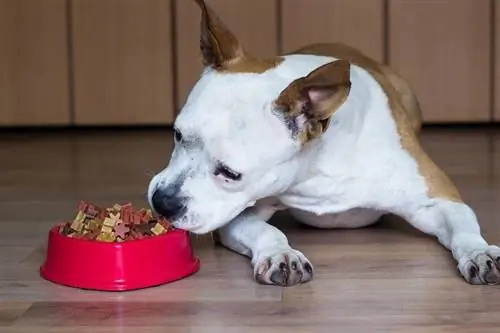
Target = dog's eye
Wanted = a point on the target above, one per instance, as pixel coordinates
(226, 172)
(177, 135)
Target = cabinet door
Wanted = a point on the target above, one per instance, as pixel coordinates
(358, 23)
(33, 63)
(443, 49)
(254, 22)
(122, 62)
(496, 80)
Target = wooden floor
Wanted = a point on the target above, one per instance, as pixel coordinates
(386, 278)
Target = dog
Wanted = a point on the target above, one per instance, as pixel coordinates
(324, 132)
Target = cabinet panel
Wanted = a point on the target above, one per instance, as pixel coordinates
(496, 82)
(33, 63)
(358, 23)
(254, 22)
(122, 59)
(443, 49)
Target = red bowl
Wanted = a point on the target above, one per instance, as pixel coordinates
(129, 265)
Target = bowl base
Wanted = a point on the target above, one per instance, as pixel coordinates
(117, 287)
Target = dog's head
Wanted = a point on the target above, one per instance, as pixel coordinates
(239, 135)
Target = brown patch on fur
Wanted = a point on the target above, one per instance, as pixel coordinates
(250, 65)
(405, 110)
(221, 50)
(316, 96)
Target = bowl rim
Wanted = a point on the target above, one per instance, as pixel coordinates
(54, 231)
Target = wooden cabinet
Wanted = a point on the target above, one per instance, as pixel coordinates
(122, 56)
(254, 22)
(133, 62)
(358, 23)
(34, 85)
(443, 48)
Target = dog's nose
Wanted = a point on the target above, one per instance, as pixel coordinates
(167, 203)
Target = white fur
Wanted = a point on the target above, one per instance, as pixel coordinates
(349, 177)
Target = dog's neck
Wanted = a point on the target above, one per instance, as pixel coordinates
(348, 124)
(349, 120)
(358, 130)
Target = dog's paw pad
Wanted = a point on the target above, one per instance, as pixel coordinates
(284, 269)
(482, 267)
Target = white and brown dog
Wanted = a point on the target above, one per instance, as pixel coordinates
(324, 132)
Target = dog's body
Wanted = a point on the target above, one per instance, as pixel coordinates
(338, 146)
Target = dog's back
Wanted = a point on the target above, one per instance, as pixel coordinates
(385, 76)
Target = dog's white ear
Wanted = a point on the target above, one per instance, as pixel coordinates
(218, 45)
(308, 103)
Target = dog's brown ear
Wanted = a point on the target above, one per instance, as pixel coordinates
(309, 102)
(218, 45)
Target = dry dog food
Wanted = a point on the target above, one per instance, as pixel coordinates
(118, 223)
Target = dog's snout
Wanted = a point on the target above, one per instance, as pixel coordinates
(167, 202)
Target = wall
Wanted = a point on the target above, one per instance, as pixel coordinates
(132, 62)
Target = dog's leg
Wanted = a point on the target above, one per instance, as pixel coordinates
(442, 213)
(456, 227)
(273, 260)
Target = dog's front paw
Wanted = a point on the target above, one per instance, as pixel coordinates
(285, 268)
(481, 266)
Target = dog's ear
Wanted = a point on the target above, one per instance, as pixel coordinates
(308, 103)
(218, 45)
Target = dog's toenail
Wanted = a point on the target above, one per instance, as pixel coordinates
(491, 278)
(260, 278)
(308, 268)
(279, 278)
(294, 266)
(473, 272)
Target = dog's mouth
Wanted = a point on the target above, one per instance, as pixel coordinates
(184, 223)
(178, 224)
(189, 225)
(194, 229)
